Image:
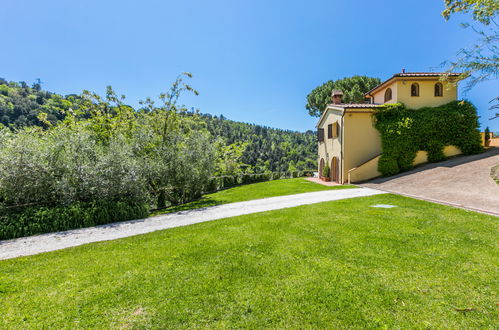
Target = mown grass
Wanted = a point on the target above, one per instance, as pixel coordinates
(339, 264)
(253, 191)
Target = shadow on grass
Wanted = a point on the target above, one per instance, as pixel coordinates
(200, 203)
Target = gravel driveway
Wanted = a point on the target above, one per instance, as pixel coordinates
(462, 181)
(55, 241)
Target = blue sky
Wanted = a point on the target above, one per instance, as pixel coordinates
(252, 61)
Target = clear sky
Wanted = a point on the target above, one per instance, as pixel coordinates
(252, 61)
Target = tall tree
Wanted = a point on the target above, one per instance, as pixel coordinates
(353, 89)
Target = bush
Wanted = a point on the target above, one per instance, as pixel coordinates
(38, 220)
(307, 173)
(212, 185)
(239, 179)
(388, 165)
(326, 171)
(229, 181)
(435, 152)
(486, 135)
(223, 182)
(405, 131)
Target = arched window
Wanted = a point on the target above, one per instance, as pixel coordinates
(388, 94)
(415, 89)
(439, 89)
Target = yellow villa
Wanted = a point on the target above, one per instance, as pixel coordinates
(348, 141)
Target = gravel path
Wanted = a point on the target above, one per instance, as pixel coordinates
(55, 241)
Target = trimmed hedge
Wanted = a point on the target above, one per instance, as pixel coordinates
(39, 220)
(33, 220)
(405, 131)
(223, 182)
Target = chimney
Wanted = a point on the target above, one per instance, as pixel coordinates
(336, 96)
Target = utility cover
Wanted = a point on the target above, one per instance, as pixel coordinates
(384, 206)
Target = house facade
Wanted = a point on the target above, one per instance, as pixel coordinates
(348, 141)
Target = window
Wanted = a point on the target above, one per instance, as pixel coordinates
(333, 130)
(439, 89)
(336, 130)
(388, 94)
(320, 134)
(415, 89)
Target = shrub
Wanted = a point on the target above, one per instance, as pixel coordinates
(239, 179)
(307, 173)
(435, 151)
(212, 185)
(388, 165)
(38, 220)
(326, 171)
(405, 131)
(67, 165)
(229, 181)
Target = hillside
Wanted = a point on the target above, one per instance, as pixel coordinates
(266, 149)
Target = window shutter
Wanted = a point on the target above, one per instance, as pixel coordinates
(320, 134)
(337, 130)
(330, 131)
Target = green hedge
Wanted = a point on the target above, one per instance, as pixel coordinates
(35, 220)
(405, 131)
(38, 220)
(223, 182)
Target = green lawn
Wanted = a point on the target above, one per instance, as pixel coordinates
(340, 264)
(254, 191)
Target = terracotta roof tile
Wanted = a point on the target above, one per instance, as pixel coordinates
(425, 74)
(355, 105)
(414, 74)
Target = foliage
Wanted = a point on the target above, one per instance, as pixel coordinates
(483, 11)
(487, 134)
(37, 220)
(326, 171)
(353, 89)
(340, 265)
(229, 158)
(105, 151)
(21, 105)
(479, 62)
(388, 165)
(98, 149)
(65, 165)
(223, 182)
(265, 149)
(405, 131)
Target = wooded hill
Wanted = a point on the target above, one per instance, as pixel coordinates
(263, 148)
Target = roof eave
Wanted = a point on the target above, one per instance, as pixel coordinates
(454, 75)
(328, 107)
